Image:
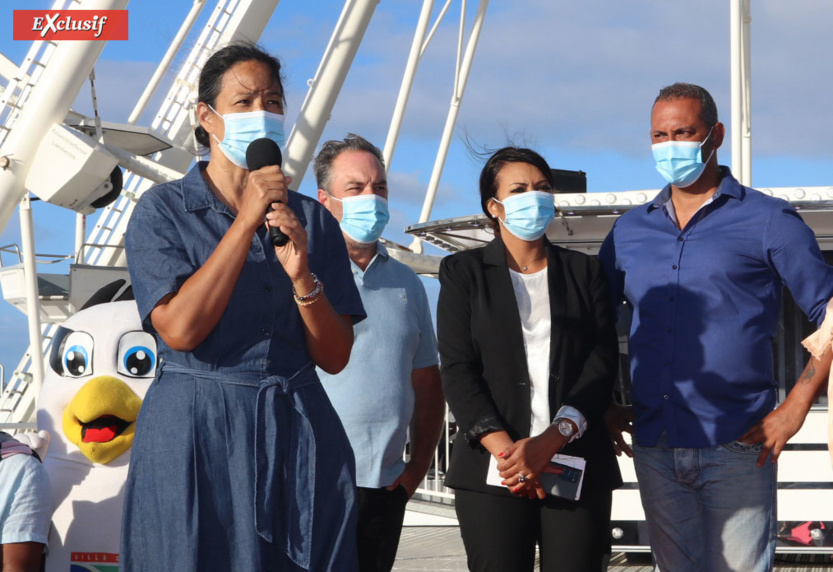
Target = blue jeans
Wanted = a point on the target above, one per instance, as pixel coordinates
(709, 509)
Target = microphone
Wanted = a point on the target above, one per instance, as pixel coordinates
(261, 153)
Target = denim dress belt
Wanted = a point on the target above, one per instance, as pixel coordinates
(281, 468)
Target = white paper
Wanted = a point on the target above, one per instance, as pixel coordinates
(493, 475)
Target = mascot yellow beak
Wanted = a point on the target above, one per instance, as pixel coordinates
(101, 419)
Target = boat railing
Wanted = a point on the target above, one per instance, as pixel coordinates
(432, 488)
(11, 249)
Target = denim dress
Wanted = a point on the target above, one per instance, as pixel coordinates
(239, 461)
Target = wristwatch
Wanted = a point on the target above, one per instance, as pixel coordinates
(566, 427)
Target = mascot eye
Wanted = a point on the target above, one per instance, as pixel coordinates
(77, 355)
(137, 354)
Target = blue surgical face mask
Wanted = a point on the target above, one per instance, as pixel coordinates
(527, 215)
(681, 162)
(363, 217)
(243, 128)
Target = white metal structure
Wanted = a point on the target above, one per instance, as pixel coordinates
(461, 75)
(325, 87)
(741, 73)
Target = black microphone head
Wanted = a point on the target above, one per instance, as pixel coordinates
(262, 153)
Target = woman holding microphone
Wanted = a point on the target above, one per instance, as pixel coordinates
(239, 460)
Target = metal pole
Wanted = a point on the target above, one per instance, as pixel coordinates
(142, 166)
(436, 25)
(173, 49)
(407, 82)
(27, 234)
(80, 233)
(451, 120)
(746, 65)
(736, 73)
(325, 87)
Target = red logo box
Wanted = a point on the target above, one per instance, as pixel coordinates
(106, 557)
(54, 25)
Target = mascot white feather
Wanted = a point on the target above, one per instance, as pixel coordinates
(100, 368)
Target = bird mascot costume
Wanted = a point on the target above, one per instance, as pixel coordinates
(99, 370)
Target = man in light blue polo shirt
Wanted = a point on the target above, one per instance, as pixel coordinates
(392, 382)
(25, 502)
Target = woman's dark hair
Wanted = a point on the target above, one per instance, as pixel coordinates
(488, 176)
(211, 76)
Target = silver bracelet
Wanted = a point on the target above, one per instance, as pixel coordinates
(312, 297)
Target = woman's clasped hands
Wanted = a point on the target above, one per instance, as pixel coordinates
(522, 463)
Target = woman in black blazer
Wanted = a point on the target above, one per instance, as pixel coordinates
(529, 354)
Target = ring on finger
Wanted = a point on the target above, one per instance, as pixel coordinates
(521, 478)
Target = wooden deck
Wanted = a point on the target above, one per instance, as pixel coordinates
(440, 549)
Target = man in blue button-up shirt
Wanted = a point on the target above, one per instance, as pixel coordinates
(703, 266)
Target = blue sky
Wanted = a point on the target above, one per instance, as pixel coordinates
(575, 80)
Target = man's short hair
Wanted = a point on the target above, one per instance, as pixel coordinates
(323, 165)
(708, 109)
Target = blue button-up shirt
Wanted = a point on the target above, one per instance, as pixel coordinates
(706, 301)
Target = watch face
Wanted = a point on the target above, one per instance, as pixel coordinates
(565, 428)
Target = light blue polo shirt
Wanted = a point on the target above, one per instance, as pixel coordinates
(373, 395)
(25, 500)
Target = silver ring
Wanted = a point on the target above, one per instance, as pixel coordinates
(521, 478)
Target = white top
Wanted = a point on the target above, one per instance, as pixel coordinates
(533, 298)
(532, 294)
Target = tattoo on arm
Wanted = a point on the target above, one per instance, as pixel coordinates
(809, 373)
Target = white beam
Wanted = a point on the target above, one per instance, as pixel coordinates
(325, 87)
(162, 68)
(27, 235)
(407, 82)
(463, 69)
(741, 75)
(746, 62)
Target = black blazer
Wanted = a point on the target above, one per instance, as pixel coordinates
(484, 370)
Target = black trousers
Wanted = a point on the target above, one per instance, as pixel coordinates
(500, 533)
(381, 513)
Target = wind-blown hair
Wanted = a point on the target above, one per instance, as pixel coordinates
(488, 176)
